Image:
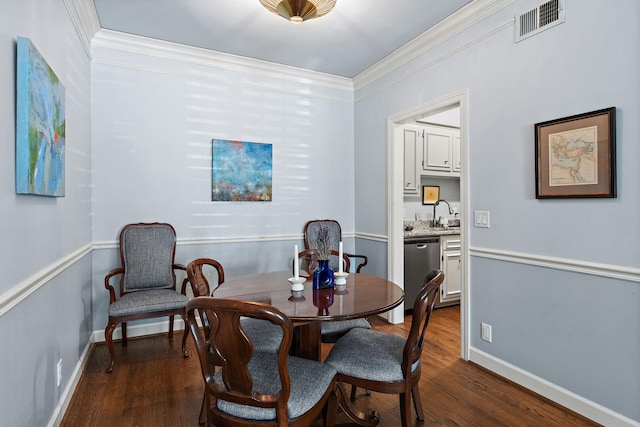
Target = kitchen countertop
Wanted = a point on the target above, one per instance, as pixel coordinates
(424, 229)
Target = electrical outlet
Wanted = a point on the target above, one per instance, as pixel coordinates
(486, 332)
(59, 372)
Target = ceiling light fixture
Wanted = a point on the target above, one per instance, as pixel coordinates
(299, 10)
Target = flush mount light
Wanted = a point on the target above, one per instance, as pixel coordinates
(299, 10)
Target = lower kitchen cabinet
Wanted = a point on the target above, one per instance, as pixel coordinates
(450, 264)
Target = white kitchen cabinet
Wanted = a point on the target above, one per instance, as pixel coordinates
(456, 151)
(412, 141)
(450, 264)
(441, 151)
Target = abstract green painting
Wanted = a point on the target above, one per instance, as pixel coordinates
(40, 125)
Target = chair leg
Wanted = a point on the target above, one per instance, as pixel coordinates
(353, 393)
(171, 326)
(108, 336)
(415, 393)
(203, 410)
(330, 410)
(185, 334)
(405, 410)
(123, 327)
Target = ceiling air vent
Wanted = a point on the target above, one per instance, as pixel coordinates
(543, 17)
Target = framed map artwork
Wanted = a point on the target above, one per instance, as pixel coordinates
(576, 156)
(430, 194)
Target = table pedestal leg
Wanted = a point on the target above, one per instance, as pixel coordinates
(307, 341)
(355, 415)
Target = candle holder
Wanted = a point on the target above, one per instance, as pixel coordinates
(340, 278)
(297, 283)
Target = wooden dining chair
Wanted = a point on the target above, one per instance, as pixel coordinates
(147, 285)
(310, 232)
(248, 387)
(265, 336)
(387, 363)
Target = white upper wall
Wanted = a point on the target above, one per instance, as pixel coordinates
(156, 109)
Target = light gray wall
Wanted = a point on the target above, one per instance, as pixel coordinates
(579, 331)
(154, 117)
(45, 294)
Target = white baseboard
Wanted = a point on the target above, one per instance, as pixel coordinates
(67, 394)
(561, 396)
(98, 336)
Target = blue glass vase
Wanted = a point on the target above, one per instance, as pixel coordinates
(323, 299)
(323, 275)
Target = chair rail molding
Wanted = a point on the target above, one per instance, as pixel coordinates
(22, 290)
(573, 265)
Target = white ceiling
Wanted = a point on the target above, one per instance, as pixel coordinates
(351, 38)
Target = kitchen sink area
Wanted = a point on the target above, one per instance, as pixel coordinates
(420, 228)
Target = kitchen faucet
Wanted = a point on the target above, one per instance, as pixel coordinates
(434, 210)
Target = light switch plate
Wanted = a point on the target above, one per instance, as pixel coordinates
(481, 219)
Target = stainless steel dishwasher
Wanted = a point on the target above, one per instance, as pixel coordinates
(421, 255)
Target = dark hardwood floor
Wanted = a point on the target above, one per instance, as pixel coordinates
(153, 385)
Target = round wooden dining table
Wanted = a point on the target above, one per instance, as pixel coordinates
(363, 295)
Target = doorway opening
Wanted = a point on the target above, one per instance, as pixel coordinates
(396, 207)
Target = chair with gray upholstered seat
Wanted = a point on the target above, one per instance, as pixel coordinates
(147, 281)
(388, 363)
(248, 387)
(264, 335)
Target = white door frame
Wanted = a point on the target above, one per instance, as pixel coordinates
(395, 203)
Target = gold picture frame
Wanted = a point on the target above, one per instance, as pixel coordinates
(576, 156)
(430, 194)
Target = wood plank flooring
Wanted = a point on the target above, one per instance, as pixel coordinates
(153, 385)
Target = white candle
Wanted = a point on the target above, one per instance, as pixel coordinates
(296, 267)
(340, 257)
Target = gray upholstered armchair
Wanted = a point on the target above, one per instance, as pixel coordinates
(147, 281)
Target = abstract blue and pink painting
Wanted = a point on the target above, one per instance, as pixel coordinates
(40, 125)
(241, 171)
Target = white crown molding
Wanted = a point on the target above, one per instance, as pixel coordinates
(85, 21)
(194, 55)
(461, 20)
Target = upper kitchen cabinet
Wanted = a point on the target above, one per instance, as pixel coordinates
(441, 151)
(412, 145)
(456, 151)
